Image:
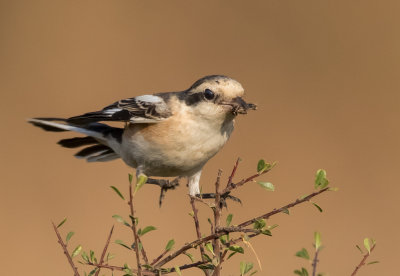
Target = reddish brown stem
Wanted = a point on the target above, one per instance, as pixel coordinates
(64, 247)
(197, 225)
(133, 227)
(363, 261)
(103, 254)
(217, 222)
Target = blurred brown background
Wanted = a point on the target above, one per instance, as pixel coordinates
(325, 75)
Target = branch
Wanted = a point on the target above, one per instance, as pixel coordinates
(135, 235)
(232, 186)
(239, 228)
(217, 222)
(363, 261)
(314, 263)
(104, 250)
(64, 247)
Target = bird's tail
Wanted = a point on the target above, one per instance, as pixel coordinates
(101, 143)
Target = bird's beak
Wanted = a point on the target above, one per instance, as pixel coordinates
(239, 106)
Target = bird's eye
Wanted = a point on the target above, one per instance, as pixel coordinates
(208, 94)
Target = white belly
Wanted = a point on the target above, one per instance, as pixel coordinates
(173, 148)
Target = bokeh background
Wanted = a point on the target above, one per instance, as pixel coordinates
(325, 75)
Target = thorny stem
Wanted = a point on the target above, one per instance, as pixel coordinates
(363, 261)
(239, 228)
(103, 254)
(64, 247)
(233, 173)
(197, 225)
(135, 235)
(314, 263)
(217, 222)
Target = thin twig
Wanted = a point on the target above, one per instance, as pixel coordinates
(133, 227)
(363, 261)
(217, 222)
(233, 173)
(64, 247)
(197, 225)
(159, 257)
(103, 254)
(144, 255)
(232, 186)
(223, 231)
(314, 263)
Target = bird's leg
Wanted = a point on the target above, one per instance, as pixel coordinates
(165, 185)
(223, 198)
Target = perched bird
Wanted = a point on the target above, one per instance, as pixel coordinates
(170, 134)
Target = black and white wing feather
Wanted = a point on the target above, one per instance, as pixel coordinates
(141, 109)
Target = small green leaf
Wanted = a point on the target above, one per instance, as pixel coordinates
(146, 230)
(320, 179)
(261, 166)
(210, 248)
(91, 255)
(130, 178)
(317, 240)
(62, 222)
(69, 236)
(249, 266)
(259, 224)
(121, 220)
(245, 267)
(303, 253)
(242, 266)
(224, 239)
(272, 226)
(236, 248)
(118, 192)
(230, 255)
(191, 214)
(367, 245)
(85, 256)
(207, 258)
(302, 272)
(359, 248)
(334, 189)
(170, 244)
(190, 256)
(178, 270)
(141, 180)
(110, 256)
(285, 211)
(122, 244)
(76, 251)
(229, 220)
(373, 262)
(267, 186)
(266, 232)
(93, 271)
(318, 207)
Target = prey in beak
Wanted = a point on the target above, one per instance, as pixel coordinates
(239, 106)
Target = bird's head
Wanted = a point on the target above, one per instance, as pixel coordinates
(218, 97)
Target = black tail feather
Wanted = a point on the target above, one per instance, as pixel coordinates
(46, 127)
(77, 142)
(86, 152)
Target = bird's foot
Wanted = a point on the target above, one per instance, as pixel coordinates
(223, 198)
(165, 185)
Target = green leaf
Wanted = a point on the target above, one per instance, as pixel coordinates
(317, 240)
(230, 255)
(259, 224)
(249, 266)
(318, 207)
(242, 266)
(266, 232)
(170, 244)
(69, 236)
(224, 239)
(373, 262)
(207, 258)
(85, 256)
(303, 253)
(110, 256)
(261, 166)
(236, 248)
(245, 267)
(302, 272)
(122, 244)
(285, 211)
(141, 180)
(320, 179)
(178, 270)
(146, 230)
(210, 248)
(121, 220)
(359, 248)
(229, 220)
(93, 271)
(367, 245)
(190, 256)
(272, 226)
(130, 178)
(267, 186)
(118, 192)
(76, 251)
(62, 222)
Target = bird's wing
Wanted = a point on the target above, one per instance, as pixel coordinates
(141, 109)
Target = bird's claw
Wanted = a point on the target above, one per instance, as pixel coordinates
(223, 198)
(166, 185)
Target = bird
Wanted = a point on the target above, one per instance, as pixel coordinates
(169, 134)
